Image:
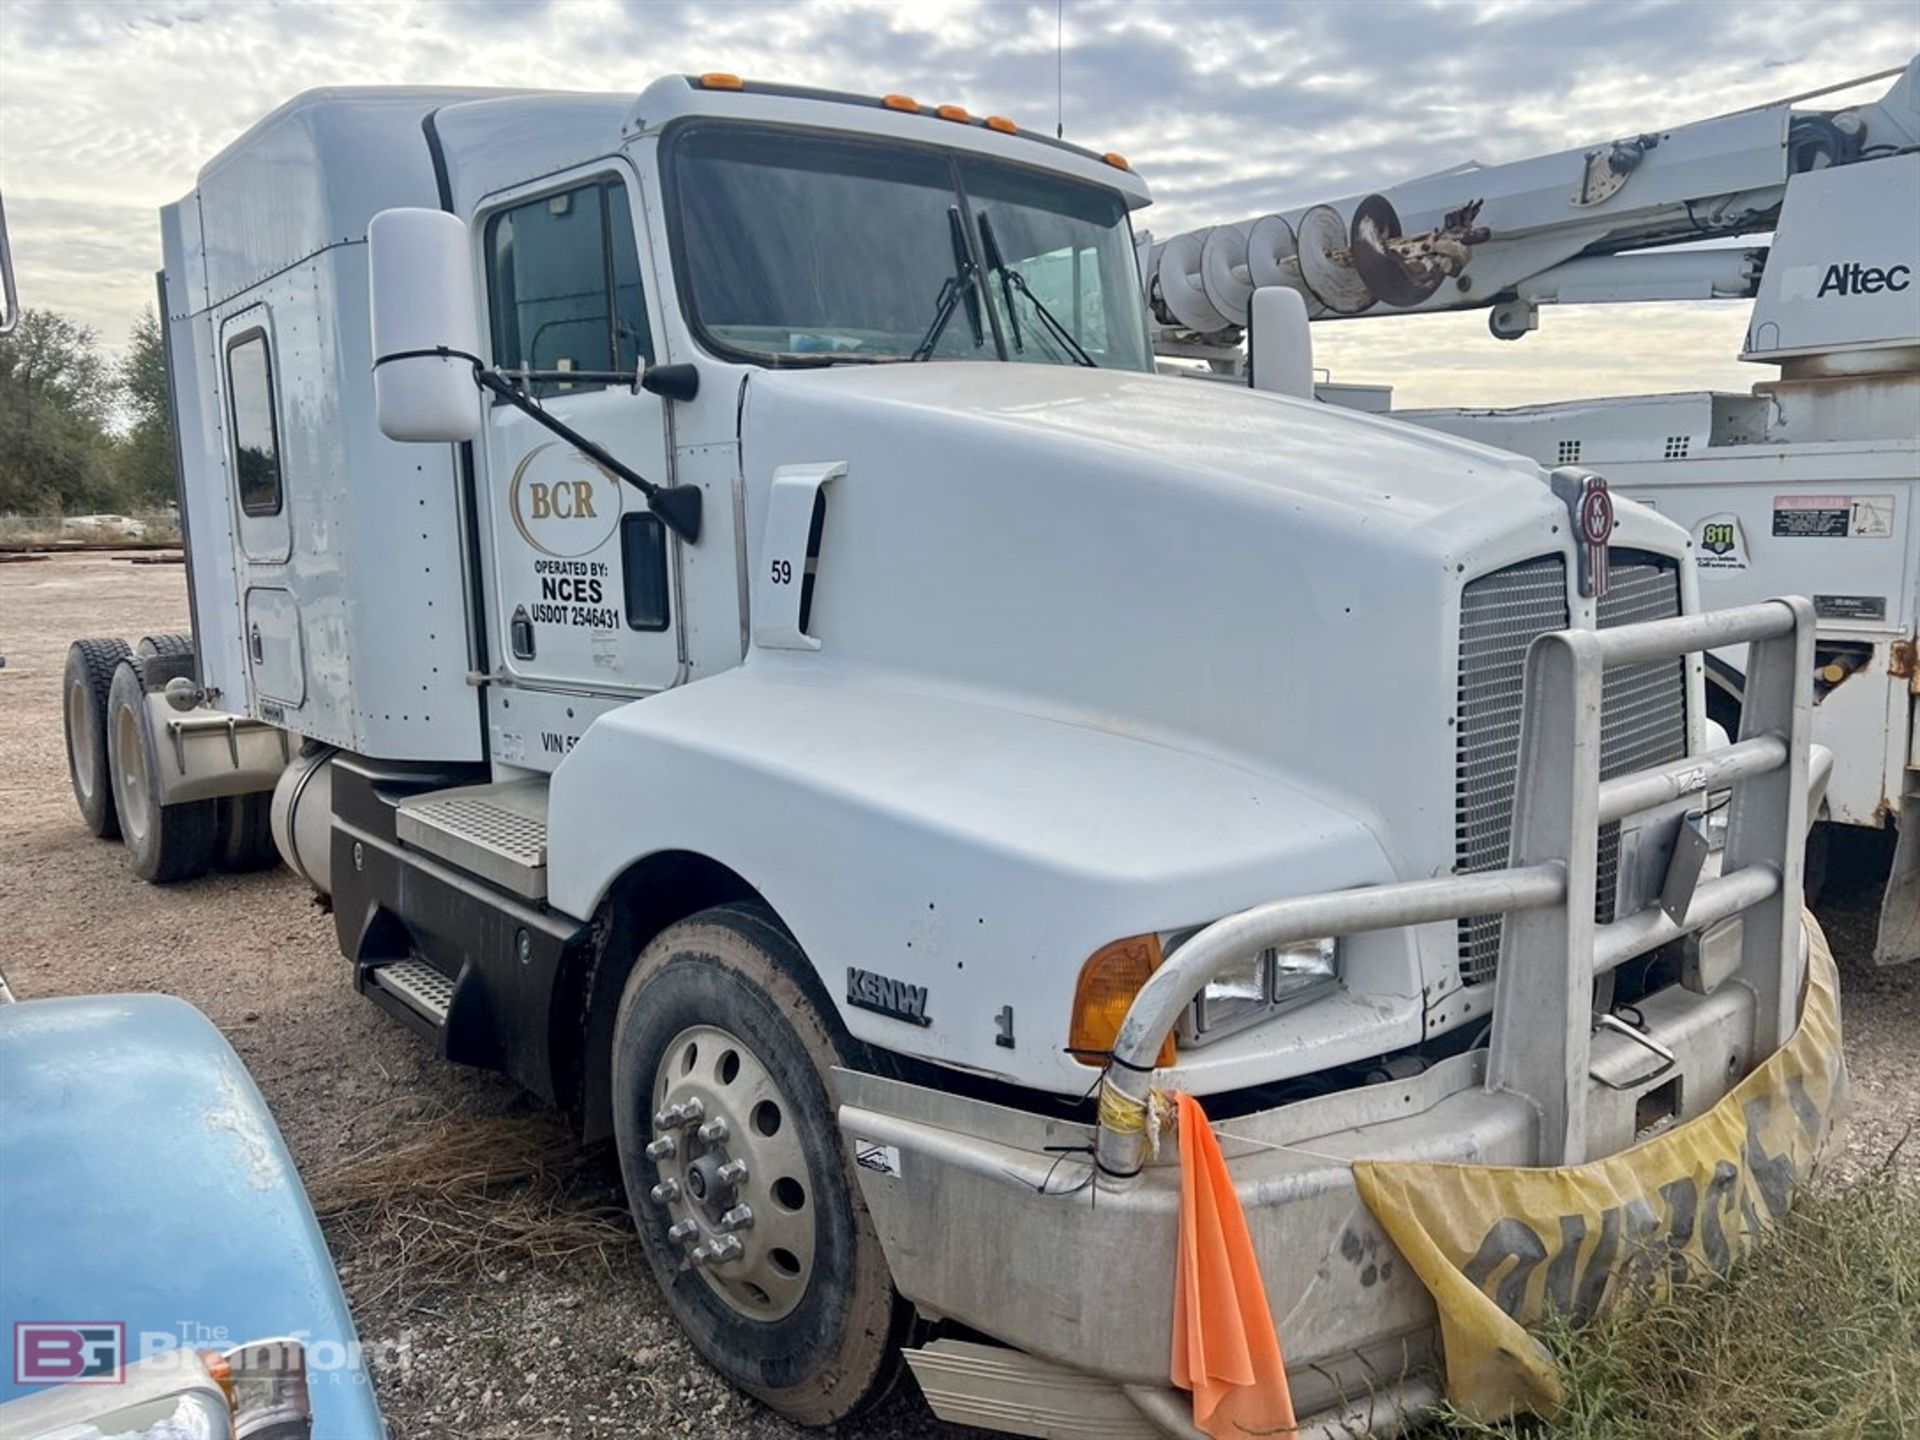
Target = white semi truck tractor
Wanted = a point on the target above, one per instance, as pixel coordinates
(724, 609)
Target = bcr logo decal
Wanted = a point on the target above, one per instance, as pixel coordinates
(562, 503)
(69, 1352)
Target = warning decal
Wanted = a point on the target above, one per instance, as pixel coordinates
(1857, 517)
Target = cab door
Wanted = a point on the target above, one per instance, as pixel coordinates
(583, 577)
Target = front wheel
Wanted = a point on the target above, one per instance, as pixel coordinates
(747, 1209)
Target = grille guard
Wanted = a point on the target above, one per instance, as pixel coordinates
(1547, 892)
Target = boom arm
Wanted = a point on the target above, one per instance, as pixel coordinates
(1552, 228)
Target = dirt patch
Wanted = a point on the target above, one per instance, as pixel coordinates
(542, 1324)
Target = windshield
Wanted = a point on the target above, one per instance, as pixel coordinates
(802, 248)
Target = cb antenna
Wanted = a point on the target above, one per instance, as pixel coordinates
(1059, 68)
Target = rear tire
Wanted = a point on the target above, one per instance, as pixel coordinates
(246, 832)
(167, 843)
(175, 644)
(806, 1319)
(83, 706)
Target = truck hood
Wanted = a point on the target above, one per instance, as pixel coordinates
(147, 1186)
(1266, 580)
(1317, 457)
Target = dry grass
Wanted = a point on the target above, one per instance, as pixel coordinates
(466, 1193)
(1817, 1335)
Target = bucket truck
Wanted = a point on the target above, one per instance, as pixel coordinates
(1806, 484)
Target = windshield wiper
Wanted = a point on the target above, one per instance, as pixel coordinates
(965, 280)
(1012, 280)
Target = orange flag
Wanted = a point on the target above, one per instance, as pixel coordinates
(1225, 1349)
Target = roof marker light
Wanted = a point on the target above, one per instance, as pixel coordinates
(952, 112)
(720, 80)
(1116, 159)
(1002, 124)
(900, 102)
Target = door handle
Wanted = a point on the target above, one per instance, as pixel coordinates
(255, 647)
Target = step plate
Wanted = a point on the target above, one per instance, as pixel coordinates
(969, 1384)
(498, 832)
(421, 986)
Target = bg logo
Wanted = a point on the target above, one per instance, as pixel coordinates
(563, 504)
(69, 1352)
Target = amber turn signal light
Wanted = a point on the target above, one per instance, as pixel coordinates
(1109, 980)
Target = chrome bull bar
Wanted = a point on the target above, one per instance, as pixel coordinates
(1552, 947)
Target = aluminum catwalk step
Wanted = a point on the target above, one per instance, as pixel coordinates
(498, 832)
(419, 985)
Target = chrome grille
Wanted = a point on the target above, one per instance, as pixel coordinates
(1643, 716)
(1643, 708)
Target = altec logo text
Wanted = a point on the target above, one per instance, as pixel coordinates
(1856, 279)
(69, 1352)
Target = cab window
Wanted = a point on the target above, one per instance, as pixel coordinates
(256, 434)
(564, 285)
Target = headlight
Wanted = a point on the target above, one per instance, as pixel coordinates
(1262, 986)
(254, 1392)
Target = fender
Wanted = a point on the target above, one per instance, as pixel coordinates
(968, 857)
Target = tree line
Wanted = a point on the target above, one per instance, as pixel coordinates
(81, 434)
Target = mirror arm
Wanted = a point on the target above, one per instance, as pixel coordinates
(678, 506)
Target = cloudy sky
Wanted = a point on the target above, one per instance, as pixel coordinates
(1228, 110)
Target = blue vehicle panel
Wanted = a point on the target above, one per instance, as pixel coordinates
(143, 1180)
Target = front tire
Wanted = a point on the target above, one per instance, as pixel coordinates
(167, 843)
(795, 1306)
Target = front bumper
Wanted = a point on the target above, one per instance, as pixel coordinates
(990, 1216)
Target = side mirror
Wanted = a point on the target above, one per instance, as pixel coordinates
(1279, 349)
(9, 297)
(426, 334)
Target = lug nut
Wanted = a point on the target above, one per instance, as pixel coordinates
(665, 1148)
(667, 1191)
(685, 1113)
(734, 1172)
(681, 1231)
(740, 1217)
(714, 1132)
(716, 1251)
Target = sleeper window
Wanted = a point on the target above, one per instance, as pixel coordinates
(563, 275)
(256, 436)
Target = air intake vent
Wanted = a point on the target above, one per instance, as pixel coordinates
(1643, 715)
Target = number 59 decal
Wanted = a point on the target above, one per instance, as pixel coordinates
(776, 598)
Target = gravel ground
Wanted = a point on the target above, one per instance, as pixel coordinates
(515, 1351)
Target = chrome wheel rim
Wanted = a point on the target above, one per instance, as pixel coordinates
(81, 744)
(130, 777)
(736, 1191)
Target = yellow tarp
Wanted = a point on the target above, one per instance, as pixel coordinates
(1499, 1247)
